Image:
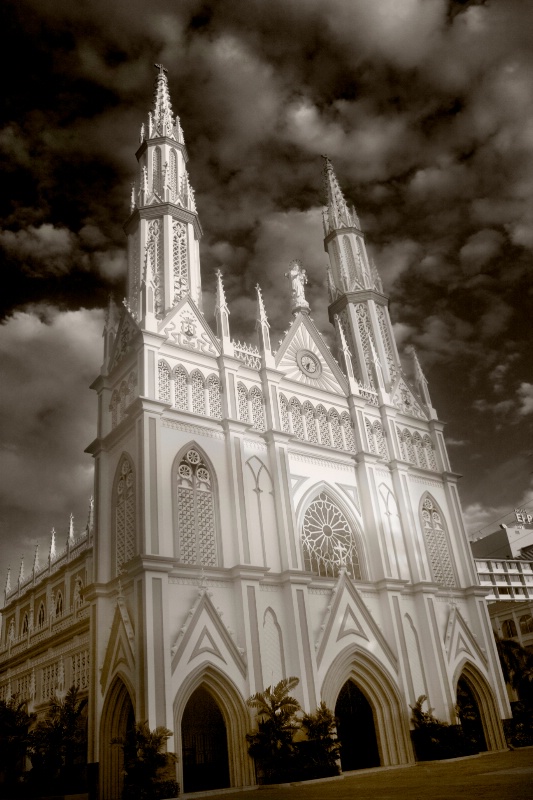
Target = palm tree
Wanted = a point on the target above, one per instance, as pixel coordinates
(271, 744)
(148, 769)
(517, 667)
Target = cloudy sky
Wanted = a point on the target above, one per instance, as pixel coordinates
(425, 108)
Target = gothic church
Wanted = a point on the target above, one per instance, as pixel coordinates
(258, 514)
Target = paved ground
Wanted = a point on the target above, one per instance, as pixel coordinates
(496, 776)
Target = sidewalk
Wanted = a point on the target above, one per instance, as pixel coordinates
(506, 775)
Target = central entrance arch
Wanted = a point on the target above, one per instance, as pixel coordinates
(204, 744)
(356, 729)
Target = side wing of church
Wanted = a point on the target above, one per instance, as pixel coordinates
(263, 514)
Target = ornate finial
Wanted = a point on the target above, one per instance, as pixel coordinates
(338, 213)
(298, 278)
(220, 302)
(132, 198)
(36, 559)
(7, 588)
(52, 553)
(261, 306)
(21, 571)
(71, 529)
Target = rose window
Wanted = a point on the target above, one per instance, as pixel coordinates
(328, 541)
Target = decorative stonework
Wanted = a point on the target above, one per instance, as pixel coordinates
(197, 430)
(437, 544)
(196, 512)
(328, 541)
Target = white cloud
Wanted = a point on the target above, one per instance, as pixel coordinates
(525, 394)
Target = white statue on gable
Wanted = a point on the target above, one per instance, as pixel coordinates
(298, 279)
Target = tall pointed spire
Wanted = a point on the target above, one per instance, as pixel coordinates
(338, 215)
(347, 356)
(222, 315)
(52, 552)
(90, 517)
(70, 537)
(36, 560)
(420, 379)
(161, 120)
(21, 571)
(7, 588)
(263, 328)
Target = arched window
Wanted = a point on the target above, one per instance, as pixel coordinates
(156, 165)
(11, 631)
(179, 259)
(437, 544)
(370, 437)
(284, 414)
(526, 624)
(195, 511)
(328, 541)
(401, 440)
(163, 382)
(242, 402)
(173, 174)
(41, 616)
(430, 453)
(258, 409)
(310, 424)
(125, 523)
(297, 422)
(181, 399)
(419, 450)
(350, 261)
(508, 628)
(59, 604)
(348, 431)
(113, 407)
(379, 436)
(336, 432)
(154, 265)
(323, 426)
(213, 391)
(198, 394)
(25, 625)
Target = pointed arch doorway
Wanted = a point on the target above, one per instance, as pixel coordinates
(204, 744)
(356, 729)
(470, 715)
(117, 718)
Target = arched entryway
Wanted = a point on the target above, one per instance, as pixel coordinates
(204, 744)
(469, 715)
(117, 718)
(356, 729)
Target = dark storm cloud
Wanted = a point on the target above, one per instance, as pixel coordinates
(425, 108)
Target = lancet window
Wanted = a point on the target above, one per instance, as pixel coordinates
(195, 511)
(59, 605)
(125, 522)
(437, 544)
(213, 392)
(173, 174)
(417, 450)
(348, 432)
(164, 382)
(41, 616)
(157, 170)
(323, 427)
(198, 394)
(181, 395)
(258, 409)
(284, 414)
(350, 261)
(310, 423)
(336, 432)
(154, 265)
(297, 421)
(242, 402)
(430, 453)
(328, 541)
(25, 625)
(386, 341)
(179, 259)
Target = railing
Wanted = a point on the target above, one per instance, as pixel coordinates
(247, 353)
(51, 628)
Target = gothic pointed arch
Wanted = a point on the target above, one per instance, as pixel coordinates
(484, 698)
(118, 715)
(124, 514)
(234, 712)
(195, 501)
(273, 666)
(163, 381)
(379, 688)
(437, 542)
(330, 536)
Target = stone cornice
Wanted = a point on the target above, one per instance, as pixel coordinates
(162, 209)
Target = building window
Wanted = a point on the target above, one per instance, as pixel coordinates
(41, 616)
(297, 421)
(181, 400)
(25, 625)
(508, 628)
(526, 624)
(124, 514)
(195, 511)
(310, 424)
(348, 432)
(156, 165)
(328, 541)
(336, 432)
(242, 402)
(284, 414)
(164, 382)
(323, 426)
(258, 409)
(59, 605)
(213, 391)
(437, 544)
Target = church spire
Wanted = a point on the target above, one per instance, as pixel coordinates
(421, 382)
(222, 314)
(338, 214)
(263, 330)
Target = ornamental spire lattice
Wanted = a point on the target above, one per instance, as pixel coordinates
(220, 299)
(162, 114)
(347, 356)
(70, 537)
(261, 312)
(263, 329)
(420, 379)
(337, 214)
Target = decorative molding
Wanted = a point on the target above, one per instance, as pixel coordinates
(321, 462)
(426, 482)
(196, 429)
(253, 444)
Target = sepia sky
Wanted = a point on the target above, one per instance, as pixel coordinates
(425, 108)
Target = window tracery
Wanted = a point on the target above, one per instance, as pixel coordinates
(284, 413)
(173, 174)
(213, 391)
(419, 451)
(155, 265)
(125, 522)
(181, 395)
(258, 409)
(346, 423)
(437, 545)
(323, 426)
(163, 382)
(370, 437)
(297, 422)
(198, 394)
(379, 435)
(179, 259)
(242, 402)
(41, 616)
(430, 453)
(196, 513)
(328, 541)
(157, 170)
(310, 424)
(25, 625)
(336, 432)
(366, 336)
(59, 605)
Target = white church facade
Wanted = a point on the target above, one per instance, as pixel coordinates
(263, 514)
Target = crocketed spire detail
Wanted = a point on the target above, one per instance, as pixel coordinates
(337, 214)
(161, 121)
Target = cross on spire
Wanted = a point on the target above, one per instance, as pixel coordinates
(161, 68)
